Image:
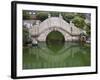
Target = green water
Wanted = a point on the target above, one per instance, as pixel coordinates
(68, 54)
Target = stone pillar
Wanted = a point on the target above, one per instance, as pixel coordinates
(37, 22)
(60, 16)
(71, 26)
(71, 23)
(49, 15)
(34, 41)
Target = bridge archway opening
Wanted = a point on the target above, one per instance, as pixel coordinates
(55, 41)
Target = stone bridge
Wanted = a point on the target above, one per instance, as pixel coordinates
(41, 30)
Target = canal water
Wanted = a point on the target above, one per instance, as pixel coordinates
(68, 54)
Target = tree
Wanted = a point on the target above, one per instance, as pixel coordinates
(88, 29)
(81, 15)
(41, 16)
(26, 15)
(54, 14)
(25, 36)
(68, 16)
(79, 22)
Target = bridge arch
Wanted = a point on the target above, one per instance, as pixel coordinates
(43, 34)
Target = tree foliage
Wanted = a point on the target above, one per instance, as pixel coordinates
(79, 22)
(81, 15)
(26, 16)
(42, 16)
(68, 16)
(88, 29)
(54, 14)
(25, 36)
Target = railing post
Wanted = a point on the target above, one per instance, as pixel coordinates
(49, 15)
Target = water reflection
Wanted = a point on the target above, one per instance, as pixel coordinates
(55, 46)
(51, 56)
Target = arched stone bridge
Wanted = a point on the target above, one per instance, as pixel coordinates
(41, 30)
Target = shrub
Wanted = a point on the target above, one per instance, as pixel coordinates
(41, 16)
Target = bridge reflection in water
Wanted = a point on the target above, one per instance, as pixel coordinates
(69, 54)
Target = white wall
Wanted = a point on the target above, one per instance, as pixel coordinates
(5, 40)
